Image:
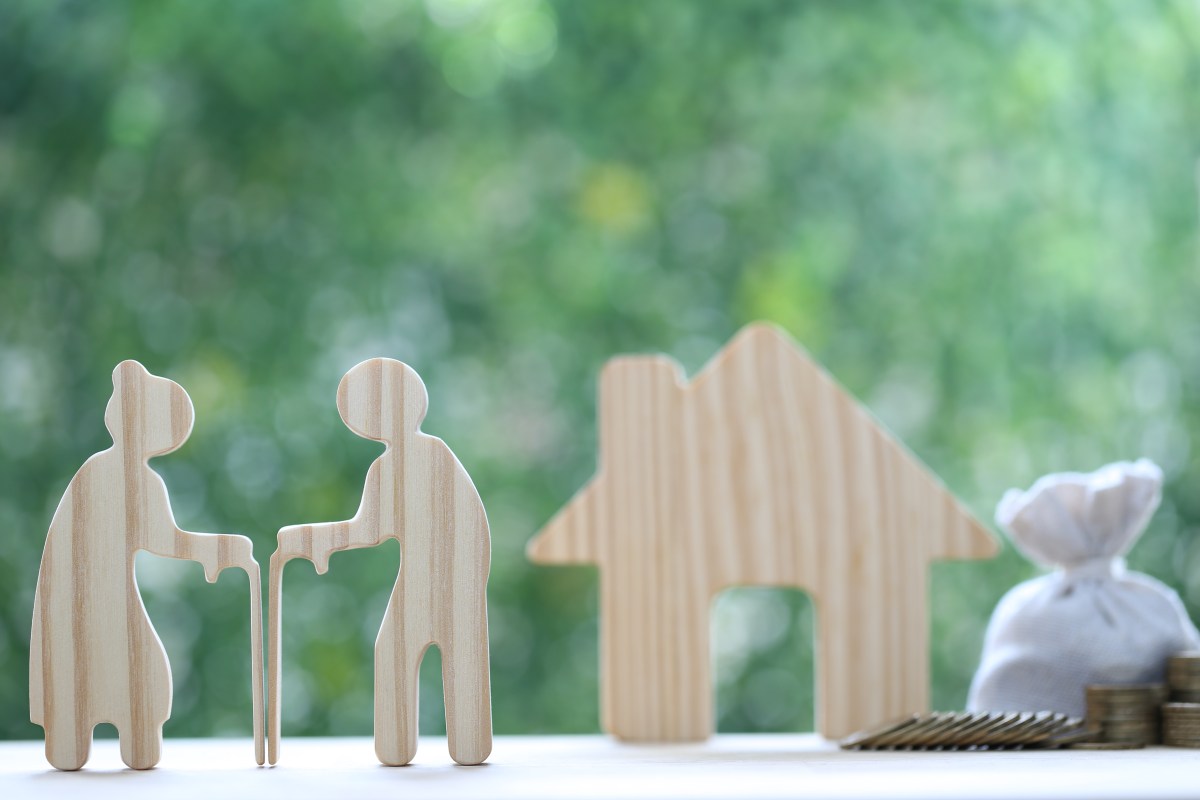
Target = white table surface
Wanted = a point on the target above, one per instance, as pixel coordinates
(529, 767)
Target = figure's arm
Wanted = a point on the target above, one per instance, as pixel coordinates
(318, 541)
(214, 551)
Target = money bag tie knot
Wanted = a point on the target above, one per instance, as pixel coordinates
(1095, 569)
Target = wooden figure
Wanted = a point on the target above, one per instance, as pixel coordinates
(94, 656)
(419, 493)
(762, 470)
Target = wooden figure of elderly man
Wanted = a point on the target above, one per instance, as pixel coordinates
(419, 493)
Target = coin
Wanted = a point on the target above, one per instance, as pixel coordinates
(1119, 717)
(948, 730)
(1046, 727)
(1125, 712)
(950, 737)
(901, 736)
(865, 737)
(977, 733)
(1080, 734)
(1183, 676)
(928, 735)
(1181, 724)
(1013, 731)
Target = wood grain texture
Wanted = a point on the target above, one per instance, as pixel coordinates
(760, 471)
(419, 493)
(94, 656)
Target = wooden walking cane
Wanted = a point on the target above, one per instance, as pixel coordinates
(274, 665)
(256, 663)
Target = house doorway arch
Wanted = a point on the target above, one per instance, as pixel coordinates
(763, 647)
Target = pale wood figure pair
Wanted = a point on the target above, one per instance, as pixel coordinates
(94, 656)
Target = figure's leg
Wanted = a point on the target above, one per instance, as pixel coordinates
(141, 747)
(466, 683)
(52, 704)
(68, 741)
(139, 725)
(397, 669)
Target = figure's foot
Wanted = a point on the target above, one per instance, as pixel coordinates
(395, 753)
(141, 752)
(471, 753)
(67, 756)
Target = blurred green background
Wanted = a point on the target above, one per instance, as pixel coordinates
(980, 216)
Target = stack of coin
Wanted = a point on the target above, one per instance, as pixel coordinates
(1181, 724)
(1181, 716)
(1183, 676)
(973, 731)
(1126, 714)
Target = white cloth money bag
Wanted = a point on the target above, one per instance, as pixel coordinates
(1090, 620)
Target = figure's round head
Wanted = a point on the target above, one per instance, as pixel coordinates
(382, 399)
(147, 414)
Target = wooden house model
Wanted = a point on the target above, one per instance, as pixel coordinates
(762, 470)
